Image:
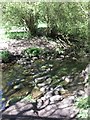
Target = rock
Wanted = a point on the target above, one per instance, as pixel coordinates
(48, 80)
(43, 103)
(46, 103)
(85, 73)
(41, 79)
(66, 79)
(71, 98)
(48, 69)
(18, 61)
(51, 88)
(62, 56)
(55, 98)
(48, 94)
(54, 111)
(44, 89)
(39, 103)
(43, 98)
(88, 69)
(18, 86)
(32, 61)
(67, 101)
(80, 93)
(56, 92)
(34, 58)
(84, 76)
(61, 109)
(18, 107)
(41, 84)
(60, 89)
(87, 89)
(68, 113)
(43, 67)
(24, 63)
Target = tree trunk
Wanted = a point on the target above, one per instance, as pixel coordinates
(30, 22)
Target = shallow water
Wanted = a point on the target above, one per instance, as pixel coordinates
(19, 80)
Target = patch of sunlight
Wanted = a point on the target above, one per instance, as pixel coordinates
(42, 25)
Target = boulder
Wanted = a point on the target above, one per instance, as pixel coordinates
(48, 94)
(55, 98)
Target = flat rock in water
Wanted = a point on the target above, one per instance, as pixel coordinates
(54, 112)
(19, 108)
(61, 109)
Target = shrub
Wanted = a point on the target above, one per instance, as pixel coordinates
(17, 35)
(84, 105)
(31, 52)
(5, 55)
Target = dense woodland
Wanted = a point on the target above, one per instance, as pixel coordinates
(51, 55)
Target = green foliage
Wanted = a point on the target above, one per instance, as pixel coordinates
(13, 100)
(30, 52)
(84, 105)
(20, 14)
(41, 31)
(28, 98)
(69, 18)
(5, 55)
(83, 114)
(17, 35)
(64, 18)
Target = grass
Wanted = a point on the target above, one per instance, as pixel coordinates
(17, 35)
(5, 55)
(83, 104)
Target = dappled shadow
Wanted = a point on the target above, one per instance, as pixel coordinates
(14, 117)
(26, 78)
(21, 79)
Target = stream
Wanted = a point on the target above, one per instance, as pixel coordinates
(19, 80)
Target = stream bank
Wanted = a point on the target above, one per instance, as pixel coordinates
(50, 77)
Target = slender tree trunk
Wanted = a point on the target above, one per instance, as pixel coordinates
(30, 22)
